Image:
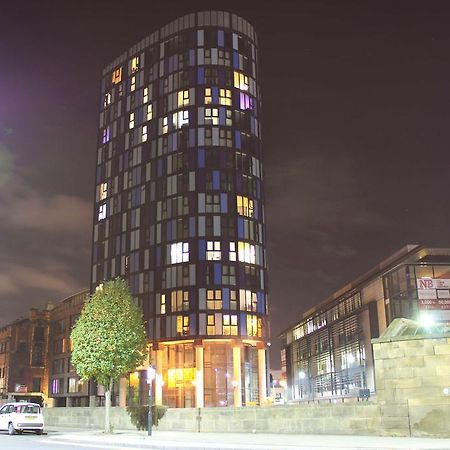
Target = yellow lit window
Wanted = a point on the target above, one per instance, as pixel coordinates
(107, 99)
(246, 252)
(230, 325)
(103, 191)
(145, 96)
(244, 206)
(144, 133)
(133, 84)
(165, 127)
(117, 76)
(163, 303)
(131, 121)
(135, 64)
(150, 112)
(240, 81)
(252, 325)
(183, 98)
(208, 96)
(214, 299)
(211, 325)
(225, 97)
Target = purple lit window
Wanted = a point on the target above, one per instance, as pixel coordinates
(106, 135)
(55, 386)
(245, 101)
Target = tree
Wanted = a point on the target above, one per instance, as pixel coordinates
(109, 338)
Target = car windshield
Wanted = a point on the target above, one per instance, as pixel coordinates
(28, 409)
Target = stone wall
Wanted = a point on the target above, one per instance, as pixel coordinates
(411, 374)
(87, 418)
(326, 418)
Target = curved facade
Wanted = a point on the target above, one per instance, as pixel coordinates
(179, 207)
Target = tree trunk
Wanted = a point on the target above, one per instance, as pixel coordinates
(108, 389)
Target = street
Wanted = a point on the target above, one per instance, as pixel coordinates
(64, 438)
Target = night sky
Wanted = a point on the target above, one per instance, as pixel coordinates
(355, 135)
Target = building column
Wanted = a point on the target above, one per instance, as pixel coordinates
(262, 375)
(159, 377)
(237, 385)
(68, 402)
(123, 392)
(199, 386)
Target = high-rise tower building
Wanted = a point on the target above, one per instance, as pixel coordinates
(179, 205)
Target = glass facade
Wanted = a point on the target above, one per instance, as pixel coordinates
(179, 203)
(329, 353)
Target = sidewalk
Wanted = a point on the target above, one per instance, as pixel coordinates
(165, 440)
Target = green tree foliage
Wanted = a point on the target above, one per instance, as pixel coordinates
(109, 338)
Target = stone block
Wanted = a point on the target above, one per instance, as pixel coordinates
(443, 349)
(443, 370)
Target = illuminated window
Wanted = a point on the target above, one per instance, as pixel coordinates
(254, 325)
(244, 206)
(131, 121)
(145, 97)
(214, 299)
(107, 99)
(103, 191)
(183, 98)
(163, 303)
(180, 300)
(225, 97)
(211, 116)
(180, 119)
(106, 135)
(102, 212)
(144, 133)
(117, 76)
(208, 96)
(211, 325)
(232, 253)
(150, 112)
(133, 84)
(247, 300)
(135, 64)
(246, 252)
(240, 81)
(245, 102)
(179, 252)
(230, 327)
(213, 252)
(183, 325)
(165, 127)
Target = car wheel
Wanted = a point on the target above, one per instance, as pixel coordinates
(39, 431)
(11, 429)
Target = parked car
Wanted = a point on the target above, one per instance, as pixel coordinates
(21, 416)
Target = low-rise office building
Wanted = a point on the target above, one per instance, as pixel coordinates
(328, 353)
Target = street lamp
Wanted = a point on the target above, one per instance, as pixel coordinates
(151, 372)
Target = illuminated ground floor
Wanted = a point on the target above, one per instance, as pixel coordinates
(199, 374)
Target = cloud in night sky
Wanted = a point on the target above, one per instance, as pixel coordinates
(48, 235)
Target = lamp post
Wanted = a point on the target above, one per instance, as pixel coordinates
(151, 372)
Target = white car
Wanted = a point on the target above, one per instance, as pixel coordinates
(21, 416)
